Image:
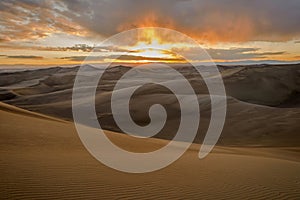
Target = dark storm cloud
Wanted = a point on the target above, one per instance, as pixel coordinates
(211, 20)
(207, 20)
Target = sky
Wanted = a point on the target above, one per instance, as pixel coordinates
(64, 32)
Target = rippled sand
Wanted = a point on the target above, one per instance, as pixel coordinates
(43, 158)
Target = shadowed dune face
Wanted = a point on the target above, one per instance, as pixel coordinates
(277, 86)
(256, 97)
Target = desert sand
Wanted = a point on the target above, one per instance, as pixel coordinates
(257, 156)
(262, 100)
(43, 158)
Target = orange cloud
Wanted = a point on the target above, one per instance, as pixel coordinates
(208, 21)
(21, 21)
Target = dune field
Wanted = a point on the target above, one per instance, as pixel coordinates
(43, 158)
(256, 157)
(262, 101)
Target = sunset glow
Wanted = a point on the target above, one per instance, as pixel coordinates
(55, 33)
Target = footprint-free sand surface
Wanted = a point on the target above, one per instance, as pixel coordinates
(262, 101)
(43, 158)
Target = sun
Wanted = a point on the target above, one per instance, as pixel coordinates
(151, 44)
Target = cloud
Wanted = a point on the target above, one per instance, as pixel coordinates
(205, 20)
(87, 48)
(3, 40)
(240, 53)
(25, 57)
(121, 58)
(132, 57)
(208, 20)
(27, 20)
(188, 53)
(227, 54)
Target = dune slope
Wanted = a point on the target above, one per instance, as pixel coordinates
(43, 158)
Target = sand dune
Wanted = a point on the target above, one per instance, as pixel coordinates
(256, 95)
(269, 85)
(43, 158)
(257, 156)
